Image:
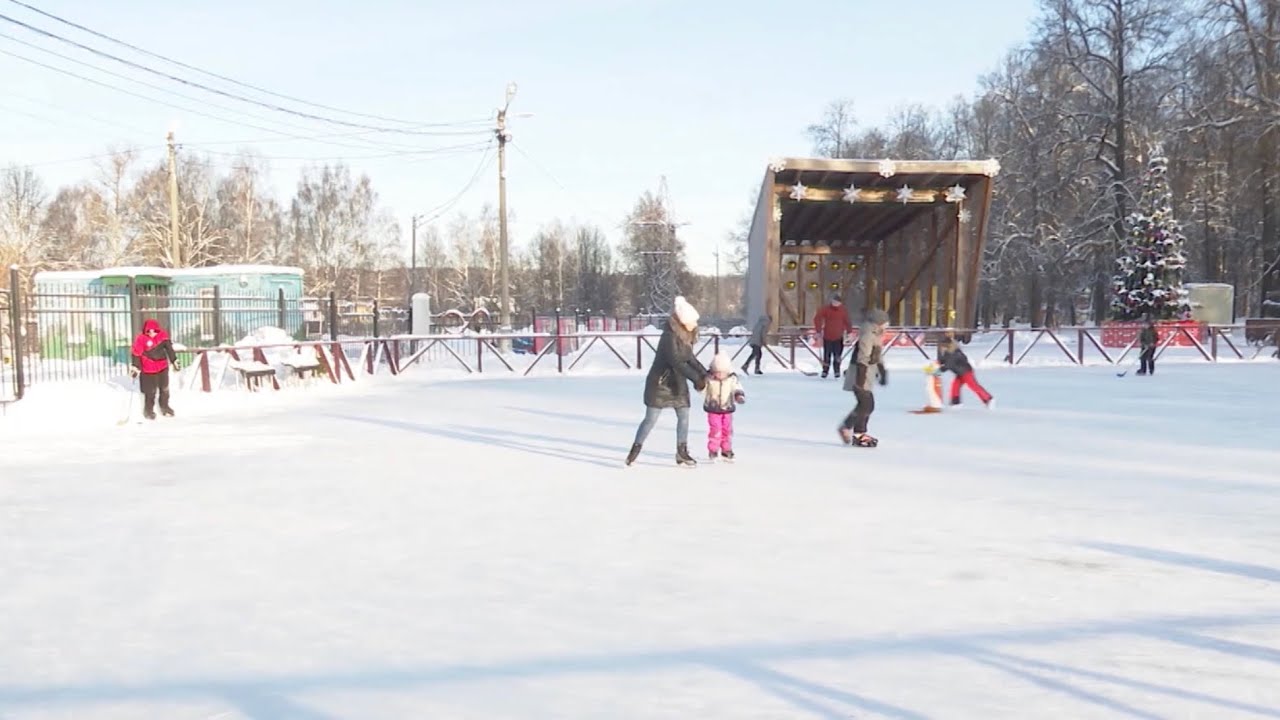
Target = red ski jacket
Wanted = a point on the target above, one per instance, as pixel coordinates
(151, 353)
(832, 322)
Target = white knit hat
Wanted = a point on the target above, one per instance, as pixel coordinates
(685, 314)
(721, 364)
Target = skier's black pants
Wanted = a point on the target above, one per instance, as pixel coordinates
(1147, 361)
(153, 384)
(832, 351)
(857, 419)
(756, 354)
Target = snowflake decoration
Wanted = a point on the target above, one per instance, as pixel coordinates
(777, 165)
(965, 216)
(904, 194)
(955, 193)
(851, 194)
(798, 191)
(991, 167)
(888, 168)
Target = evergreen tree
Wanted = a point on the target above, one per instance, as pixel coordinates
(1149, 281)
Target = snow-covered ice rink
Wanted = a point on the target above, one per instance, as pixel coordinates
(1096, 547)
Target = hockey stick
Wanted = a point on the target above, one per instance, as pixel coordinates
(128, 408)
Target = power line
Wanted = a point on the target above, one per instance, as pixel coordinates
(444, 207)
(183, 108)
(181, 64)
(206, 88)
(447, 150)
(167, 91)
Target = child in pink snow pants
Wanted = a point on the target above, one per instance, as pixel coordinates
(722, 395)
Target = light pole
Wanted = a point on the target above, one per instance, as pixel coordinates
(413, 255)
(504, 312)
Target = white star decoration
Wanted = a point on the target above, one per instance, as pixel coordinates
(777, 165)
(851, 194)
(955, 194)
(991, 168)
(887, 168)
(964, 216)
(797, 191)
(904, 194)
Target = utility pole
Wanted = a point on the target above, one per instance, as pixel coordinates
(173, 202)
(413, 254)
(717, 279)
(504, 312)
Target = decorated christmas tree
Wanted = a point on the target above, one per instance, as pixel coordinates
(1149, 280)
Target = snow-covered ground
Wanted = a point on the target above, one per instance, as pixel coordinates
(415, 547)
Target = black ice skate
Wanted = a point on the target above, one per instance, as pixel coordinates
(727, 455)
(713, 455)
(166, 411)
(865, 440)
(635, 453)
(683, 458)
(846, 435)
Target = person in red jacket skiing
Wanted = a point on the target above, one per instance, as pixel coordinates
(831, 322)
(153, 355)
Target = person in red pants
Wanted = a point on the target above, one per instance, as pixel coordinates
(952, 358)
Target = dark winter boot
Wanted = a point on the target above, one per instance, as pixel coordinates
(865, 440)
(635, 453)
(149, 414)
(728, 455)
(166, 411)
(955, 401)
(713, 455)
(846, 435)
(683, 457)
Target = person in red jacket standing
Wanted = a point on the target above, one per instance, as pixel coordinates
(152, 356)
(831, 322)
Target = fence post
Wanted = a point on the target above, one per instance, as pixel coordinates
(333, 316)
(15, 310)
(559, 347)
(375, 318)
(1080, 345)
(281, 311)
(1010, 335)
(218, 337)
(135, 313)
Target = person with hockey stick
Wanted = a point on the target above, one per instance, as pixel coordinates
(953, 359)
(674, 366)
(721, 398)
(1149, 338)
(831, 323)
(153, 355)
(756, 341)
(865, 368)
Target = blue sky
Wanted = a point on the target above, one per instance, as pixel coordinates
(622, 91)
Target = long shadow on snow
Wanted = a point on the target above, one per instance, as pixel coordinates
(486, 438)
(1121, 681)
(252, 691)
(595, 420)
(1187, 560)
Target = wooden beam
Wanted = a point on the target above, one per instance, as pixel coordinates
(902, 294)
(869, 196)
(981, 168)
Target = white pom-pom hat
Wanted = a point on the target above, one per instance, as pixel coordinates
(685, 314)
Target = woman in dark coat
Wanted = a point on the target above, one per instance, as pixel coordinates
(667, 385)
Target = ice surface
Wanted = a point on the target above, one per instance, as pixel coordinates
(421, 548)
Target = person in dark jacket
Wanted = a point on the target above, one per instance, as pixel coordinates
(951, 358)
(756, 341)
(865, 368)
(1148, 339)
(667, 385)
(153, 355)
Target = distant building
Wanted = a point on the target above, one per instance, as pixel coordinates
(86, 313)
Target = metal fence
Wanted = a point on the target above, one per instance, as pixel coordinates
(10, 387)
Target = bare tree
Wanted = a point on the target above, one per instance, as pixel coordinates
(22, 235)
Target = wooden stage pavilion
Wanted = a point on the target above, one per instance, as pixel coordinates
(906, 236)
